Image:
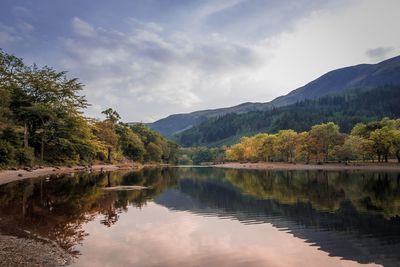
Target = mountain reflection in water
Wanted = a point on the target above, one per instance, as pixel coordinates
(217, 217)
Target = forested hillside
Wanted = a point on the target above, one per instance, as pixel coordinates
(345, 109)
(42, 122)
(179, 122)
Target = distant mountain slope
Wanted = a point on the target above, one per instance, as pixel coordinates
(364, 76)
(345, 109)
(177, 123)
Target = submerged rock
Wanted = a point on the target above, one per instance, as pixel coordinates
(126, 187)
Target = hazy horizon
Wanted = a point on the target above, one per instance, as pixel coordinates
(151, 59)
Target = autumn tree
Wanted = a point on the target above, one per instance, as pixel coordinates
(268, 147)
(324, 137)
(285, 144)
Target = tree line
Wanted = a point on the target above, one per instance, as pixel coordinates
(374, 141)
(42, 121)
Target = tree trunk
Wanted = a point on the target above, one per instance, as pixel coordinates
(109, 154)
(108, 180)
(26, 136)
(42, 148)
(398, 155)
(386, 158)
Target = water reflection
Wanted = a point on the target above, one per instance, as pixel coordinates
(56, 208)
(350, 215)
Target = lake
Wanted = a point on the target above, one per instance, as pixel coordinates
(212, 217)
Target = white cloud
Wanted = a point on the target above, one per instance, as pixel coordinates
(82, 28)
(325, 41)
(144, 66)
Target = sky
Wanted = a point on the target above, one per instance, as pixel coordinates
(152, 58)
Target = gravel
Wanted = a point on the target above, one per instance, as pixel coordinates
(22, 252)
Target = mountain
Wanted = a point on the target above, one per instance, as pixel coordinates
(177, 123)
(363, 77)
(345, 109)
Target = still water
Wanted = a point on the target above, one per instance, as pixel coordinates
(212, 217)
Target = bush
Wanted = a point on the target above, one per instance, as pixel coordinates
(134, 152)
(24, 156)
(12, 136)
(6, 152)
(100, 155)
(154, 152)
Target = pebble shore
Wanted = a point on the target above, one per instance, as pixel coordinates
(23, 252)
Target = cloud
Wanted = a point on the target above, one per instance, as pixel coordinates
(82, 28)
(149, 59)
(148, 70)
(329, 40)
(8, 35)
(145, 65)
(25, 27)
(20, 11)
(379, 53)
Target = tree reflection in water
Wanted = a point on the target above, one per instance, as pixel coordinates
(57, 208)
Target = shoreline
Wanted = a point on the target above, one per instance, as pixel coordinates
(282, 166)
(7, 176)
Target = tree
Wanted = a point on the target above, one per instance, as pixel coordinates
(382, 142)
(42, 96)
(235, 152)
(361, 147)
(360, 129)
(344, 152)
(130, 143)
(286, 141)
(396, 143)
(154, 152)
(268, 147)
(203, 154)
(304, 147)
(105, 131)
(324, 137)
(111, 115)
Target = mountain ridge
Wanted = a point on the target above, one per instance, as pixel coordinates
(361, 76)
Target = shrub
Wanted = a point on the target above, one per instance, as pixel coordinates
(100, 155)
(24, 156)
(12, 136)
(6, 152)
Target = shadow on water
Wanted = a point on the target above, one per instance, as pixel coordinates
(352, 215)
